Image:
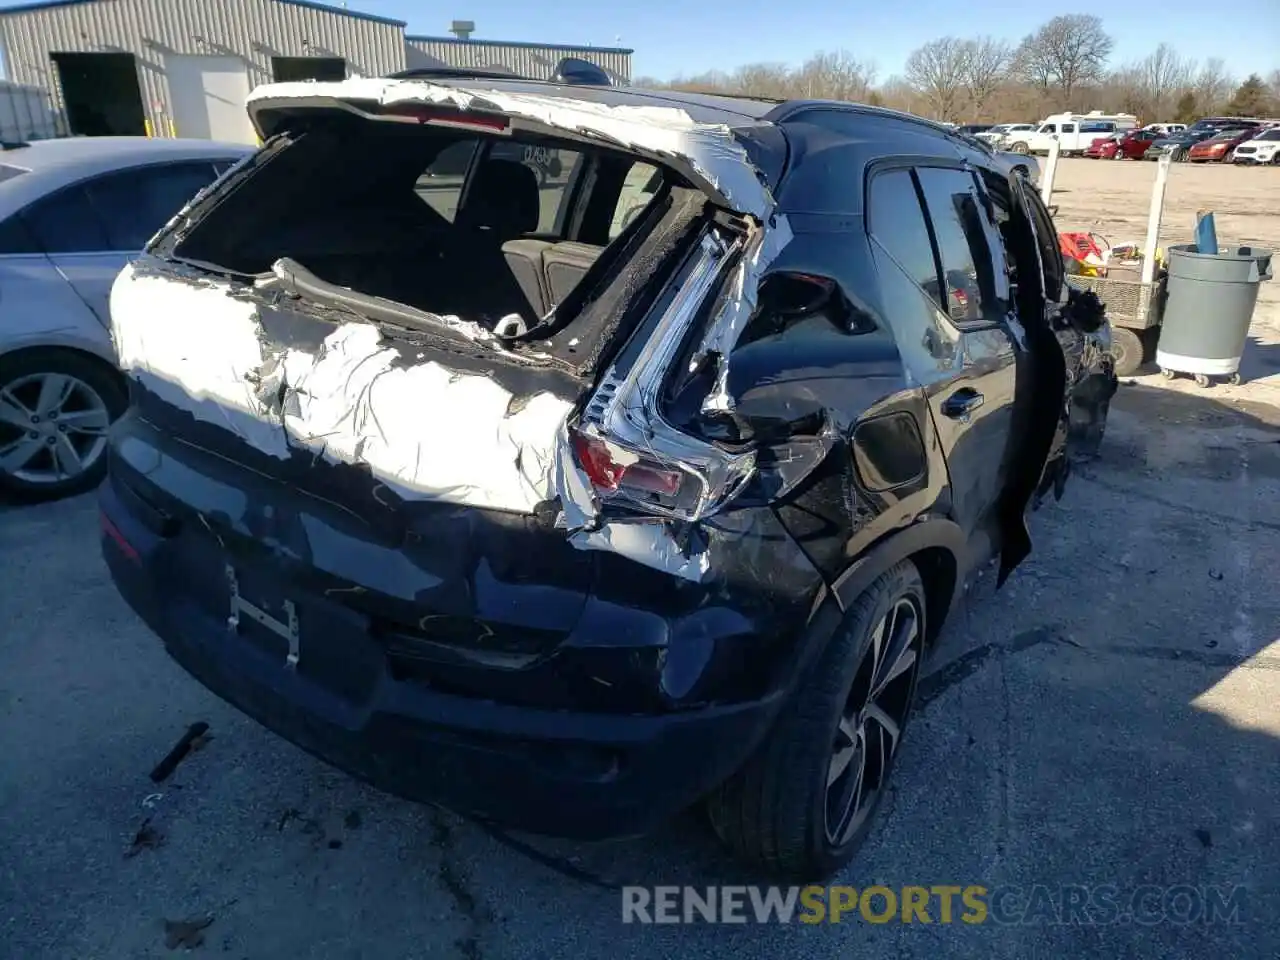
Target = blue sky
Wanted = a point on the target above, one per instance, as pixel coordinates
(673, 37)
(690, 36)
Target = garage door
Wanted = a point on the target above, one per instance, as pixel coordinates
(208, 96)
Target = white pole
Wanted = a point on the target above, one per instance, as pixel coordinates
(1050, 171)
(1153, 219)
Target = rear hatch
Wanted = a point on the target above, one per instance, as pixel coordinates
(406, 358)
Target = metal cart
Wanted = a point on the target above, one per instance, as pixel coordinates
(1133, 307)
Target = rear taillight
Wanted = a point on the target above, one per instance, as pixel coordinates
(611, 470)
(629, 456)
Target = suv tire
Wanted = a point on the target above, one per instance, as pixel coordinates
(1019, 147)
(797, 807)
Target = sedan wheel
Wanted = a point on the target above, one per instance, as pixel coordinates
(55, 408)
(803, 803)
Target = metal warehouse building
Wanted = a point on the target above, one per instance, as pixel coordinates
(184, 67)
(525, 59)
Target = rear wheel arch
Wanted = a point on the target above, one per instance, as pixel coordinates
(936, 546)
(939, 568)
(35, 352)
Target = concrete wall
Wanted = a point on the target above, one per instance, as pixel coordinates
(251, 30)
(526, 59)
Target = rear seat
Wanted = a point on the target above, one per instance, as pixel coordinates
(548, 272)
(564, 265)
(524, 260)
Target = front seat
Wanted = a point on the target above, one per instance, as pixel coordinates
(502, 204)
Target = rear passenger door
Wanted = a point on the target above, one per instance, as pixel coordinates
(947, 295)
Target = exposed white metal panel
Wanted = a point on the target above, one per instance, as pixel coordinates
(525, 59)
(208, 96)
(152, 30)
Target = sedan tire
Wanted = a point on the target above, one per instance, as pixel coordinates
(55, 408)
(803, 804)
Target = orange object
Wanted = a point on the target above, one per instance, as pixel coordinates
(1083, 246)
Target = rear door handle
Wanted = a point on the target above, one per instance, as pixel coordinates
(960, 404)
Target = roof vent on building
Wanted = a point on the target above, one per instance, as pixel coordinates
(462, 29)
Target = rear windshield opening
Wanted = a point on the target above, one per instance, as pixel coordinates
(442, 220)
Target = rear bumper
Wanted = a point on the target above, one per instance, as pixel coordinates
(556, 772)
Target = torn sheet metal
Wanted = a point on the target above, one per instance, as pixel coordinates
(712, 152)
(763, 246)
(650, 543)
(425, 431)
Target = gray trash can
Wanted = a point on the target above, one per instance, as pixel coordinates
(1209, 303)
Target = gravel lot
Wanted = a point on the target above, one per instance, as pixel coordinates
(1109, 717)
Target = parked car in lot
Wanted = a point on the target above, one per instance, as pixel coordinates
(1165, 129)
(996, 134)
(1219, 147)
(72, 213)
(1179, 145)
(569, 517)
(1134, 144)
(1104, 148)
(1262, 148)
(1073, 132)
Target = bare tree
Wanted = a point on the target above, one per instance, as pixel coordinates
(937, 71)
(773, 80)
(1213, 85)
(1164, 76)
(836, 75)
(983, 63)
(1068, 52)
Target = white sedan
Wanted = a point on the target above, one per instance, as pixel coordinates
(72, 214)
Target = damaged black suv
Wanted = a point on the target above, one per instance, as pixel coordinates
(568, 456)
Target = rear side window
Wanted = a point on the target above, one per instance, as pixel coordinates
(908, 274)
(134, 204)
(15, 238)
(643, 180)
(1068, 128)
(957, 215)
(8, 173)
(120, 211)
(66, 223)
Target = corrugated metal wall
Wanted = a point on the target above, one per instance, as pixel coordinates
(529, 60)
(25, 113)
(252, 30)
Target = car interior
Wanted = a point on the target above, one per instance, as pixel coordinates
(446, 221)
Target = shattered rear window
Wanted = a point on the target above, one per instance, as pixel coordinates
(554, 167)
(440, 185)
